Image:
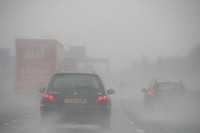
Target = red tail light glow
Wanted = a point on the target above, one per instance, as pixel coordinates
(101, 98)
(49, 97)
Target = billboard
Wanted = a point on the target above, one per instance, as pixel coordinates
(36, 61)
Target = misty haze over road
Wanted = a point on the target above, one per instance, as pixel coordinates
(131, 44)
(121, 30)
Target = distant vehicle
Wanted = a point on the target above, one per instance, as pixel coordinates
(36, 61)
(76, 98)
(164, 92)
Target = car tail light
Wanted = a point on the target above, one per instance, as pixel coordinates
(101, 98)
(49, 97)
(152, 92)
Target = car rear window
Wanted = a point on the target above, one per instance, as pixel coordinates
(70, 81)
(170, 87)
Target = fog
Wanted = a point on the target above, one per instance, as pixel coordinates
(131, 43)
(122, 30)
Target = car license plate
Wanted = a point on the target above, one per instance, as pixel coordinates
(76, 100)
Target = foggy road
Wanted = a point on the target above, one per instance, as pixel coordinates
(160, 122)
(131, 45)
(127, 116)
(30, 123)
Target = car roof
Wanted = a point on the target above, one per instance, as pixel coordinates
(170, 82)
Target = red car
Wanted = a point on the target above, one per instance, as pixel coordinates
(165, 93)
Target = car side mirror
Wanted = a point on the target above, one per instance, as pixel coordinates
(42, 90)
(144, 90)
(111, 91)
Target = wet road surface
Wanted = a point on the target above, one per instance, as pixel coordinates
(127, 116)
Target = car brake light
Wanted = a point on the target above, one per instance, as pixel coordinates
(49, 97)
(101, 98)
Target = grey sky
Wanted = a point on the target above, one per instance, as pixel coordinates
(120, 30)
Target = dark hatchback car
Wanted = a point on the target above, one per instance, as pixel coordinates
(164, 94)
(76, 98)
